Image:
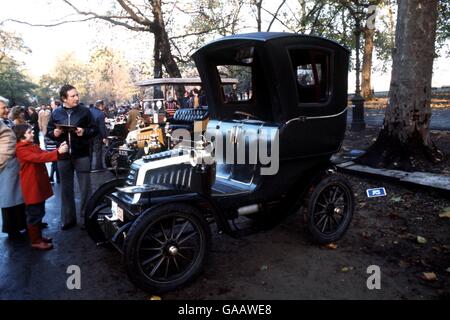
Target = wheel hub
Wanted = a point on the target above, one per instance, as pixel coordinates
(331, 209)
(173, 250)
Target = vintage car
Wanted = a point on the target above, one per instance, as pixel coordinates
(265, 153)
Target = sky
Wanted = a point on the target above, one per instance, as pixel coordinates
(47, 44)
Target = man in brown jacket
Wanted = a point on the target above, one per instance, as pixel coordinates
(133, 117)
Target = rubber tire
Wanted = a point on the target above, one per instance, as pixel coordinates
(140, 225)
(94, 201)
(313, 195)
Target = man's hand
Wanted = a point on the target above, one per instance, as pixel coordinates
(57, 132)
(79, 131)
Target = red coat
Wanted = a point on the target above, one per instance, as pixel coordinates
(34, 179)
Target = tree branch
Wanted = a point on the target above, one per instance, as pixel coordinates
(47, 25)
(144, 21)
(275, 15)
(276, 18)
(110, 19)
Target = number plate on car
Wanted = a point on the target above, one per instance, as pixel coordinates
(117, 212)
(120, 213)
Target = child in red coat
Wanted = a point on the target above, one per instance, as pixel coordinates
(35, 183)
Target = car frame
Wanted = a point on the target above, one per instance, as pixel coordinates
(293, 101)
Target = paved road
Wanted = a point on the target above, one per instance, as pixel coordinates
(440, 119)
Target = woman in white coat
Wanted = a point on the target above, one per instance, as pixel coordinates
(11, 201)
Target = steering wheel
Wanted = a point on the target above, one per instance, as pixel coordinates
(248, 115)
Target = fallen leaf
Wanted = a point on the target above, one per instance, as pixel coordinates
(429, 276)
(403, 264)
(396, 199)
(394, 215)
(155, 298)
(448, 270)
(332, 246)
(421, 240)
(346, 269)
(445, 214)
(264, 268)
(366, 234)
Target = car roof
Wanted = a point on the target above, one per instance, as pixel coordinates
(267, 37)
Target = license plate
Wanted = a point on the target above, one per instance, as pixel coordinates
(120, 213)
(123, 152)
(376, 192)
(117, 212)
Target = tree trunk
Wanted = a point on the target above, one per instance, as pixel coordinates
(157, 66)
(258, 5)
(404, 142)
(162, 43)
(366, 85)
(162, 52)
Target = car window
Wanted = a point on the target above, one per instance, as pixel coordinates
(312, 73)
(242, 91)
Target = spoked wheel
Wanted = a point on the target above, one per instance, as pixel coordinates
(166, 247)
(98, 207)
(330, 208)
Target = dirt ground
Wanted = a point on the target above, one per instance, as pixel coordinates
(401, 233)
(406, 234)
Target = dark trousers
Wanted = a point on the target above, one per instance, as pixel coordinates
(14, 219)
(67, 168)
(53, 171)
(96, 153)
(35, 213)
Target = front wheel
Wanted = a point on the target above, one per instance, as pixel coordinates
(166, 247)
(98, 207)
(330, 206)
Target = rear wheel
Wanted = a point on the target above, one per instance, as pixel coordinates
(98, 207)
(166, 247)
(330, 206)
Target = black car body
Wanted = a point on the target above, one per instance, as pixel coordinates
(290, 102)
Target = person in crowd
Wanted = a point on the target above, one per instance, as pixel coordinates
(202, 99)
(34, 122)
(184, 101)
(11, 200)
(171, 108)
(133, 117)
(100, 139)
(43, 118)
(17, 115)
(74, 124)
(196, 99)
(36, 187)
